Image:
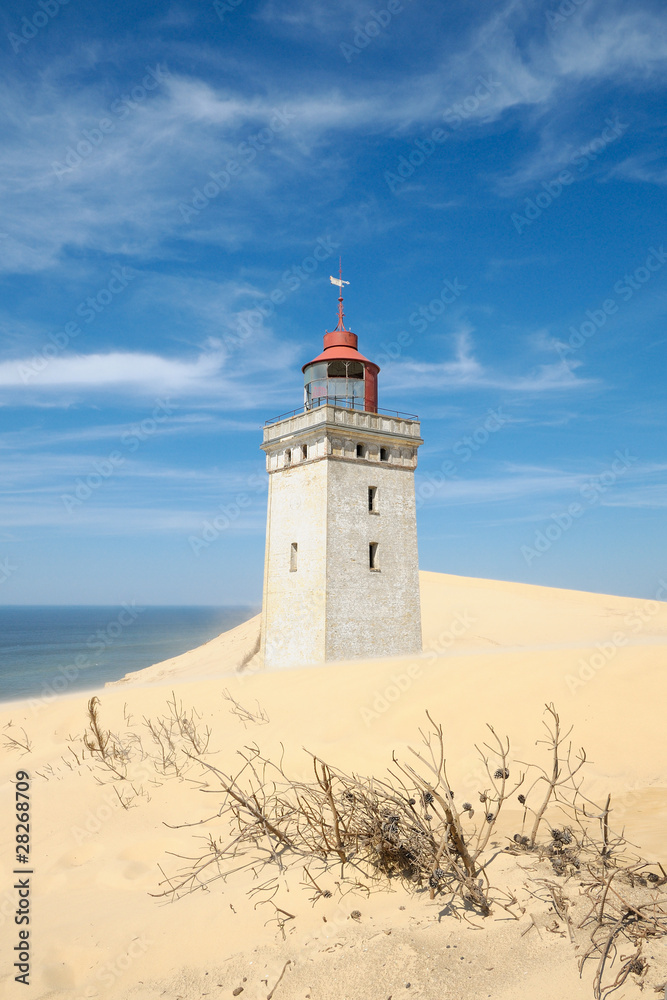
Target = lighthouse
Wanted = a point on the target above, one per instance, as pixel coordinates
(341, 574)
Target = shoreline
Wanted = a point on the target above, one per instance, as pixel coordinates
(58, 654)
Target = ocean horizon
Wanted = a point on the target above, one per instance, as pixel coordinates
(47, 650)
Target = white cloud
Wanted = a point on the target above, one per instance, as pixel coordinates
(466, 372)
(126, 518)
(123, 196)
(608, 43)
(100, 371)
(223, 351)
(556, 487)
(649, 167)
(515, 484)
(179, 424)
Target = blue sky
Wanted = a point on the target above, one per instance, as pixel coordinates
(177, 184)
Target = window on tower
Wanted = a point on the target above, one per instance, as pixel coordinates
(361, 451)
(304, 452)
(373, 564)
(373, 500)
(293, 557)
(384, 455)
(288, 456)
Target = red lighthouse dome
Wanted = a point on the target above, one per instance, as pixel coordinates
(340, 375)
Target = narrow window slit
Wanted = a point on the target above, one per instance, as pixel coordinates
(293, 557)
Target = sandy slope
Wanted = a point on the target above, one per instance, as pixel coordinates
(227, 652)
(98, 933)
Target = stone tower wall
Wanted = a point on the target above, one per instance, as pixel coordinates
(334, 606)
(371, 613)
(294, 605)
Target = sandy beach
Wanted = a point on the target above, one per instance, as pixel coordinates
(106, 844)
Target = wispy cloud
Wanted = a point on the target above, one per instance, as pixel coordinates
(125, 518)
(649, 167)
(205, 382)
(148, 372)
(609, 42)
(549, 488)
(122, 195)
(187, 424)
(464, 371)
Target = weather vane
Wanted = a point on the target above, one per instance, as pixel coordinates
(339, 281)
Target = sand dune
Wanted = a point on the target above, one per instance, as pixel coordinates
(494, 652)
(230, 651)
(458, 614)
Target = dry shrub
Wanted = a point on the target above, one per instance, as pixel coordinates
(348, 831)
(409, 827)
(405, 826)
(256, 716)
(21, 743)
(104, 746)
(177, 740)
(607, 896)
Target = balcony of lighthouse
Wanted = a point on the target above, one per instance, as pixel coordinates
(386, 437)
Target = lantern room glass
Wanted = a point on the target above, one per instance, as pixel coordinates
(340, 382)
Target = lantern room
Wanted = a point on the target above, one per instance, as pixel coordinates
(340, 375)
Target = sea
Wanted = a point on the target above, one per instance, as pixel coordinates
(46, 651)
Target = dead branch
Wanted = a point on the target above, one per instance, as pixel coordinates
(258, 717)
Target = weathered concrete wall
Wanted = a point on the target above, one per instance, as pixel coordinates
(371, 612)
(294, 606)
(335, 606)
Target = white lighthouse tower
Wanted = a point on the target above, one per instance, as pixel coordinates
(341, 569)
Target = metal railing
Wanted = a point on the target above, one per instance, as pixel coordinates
(337, 401)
